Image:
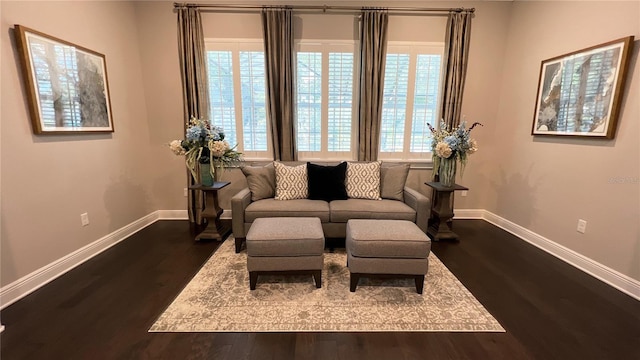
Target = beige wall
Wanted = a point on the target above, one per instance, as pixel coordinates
(48, 181)
(547, 184)
(157, 34)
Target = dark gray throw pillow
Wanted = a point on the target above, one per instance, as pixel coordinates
(392, 181)
(261, 181)
(327, 182)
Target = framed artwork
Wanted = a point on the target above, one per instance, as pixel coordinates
(579, 93)
(66, 84)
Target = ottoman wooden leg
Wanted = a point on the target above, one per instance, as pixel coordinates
(419, 283)
(354, 282)
(253, 279)
(317, 276)
(239, 244)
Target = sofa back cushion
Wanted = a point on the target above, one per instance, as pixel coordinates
(327, 182)
(392, 180)
(363, 180)
(291, 181)
(261, 181)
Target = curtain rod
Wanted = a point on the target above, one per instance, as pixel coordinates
(324, 8)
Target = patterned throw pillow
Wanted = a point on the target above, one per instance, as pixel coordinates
(363, 180)
(291, 182)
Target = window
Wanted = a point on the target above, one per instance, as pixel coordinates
(325, 111)
(326, 82)
(237, 95)
(410, 100)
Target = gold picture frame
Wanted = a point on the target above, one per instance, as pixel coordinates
(579, 93)
(66, 85)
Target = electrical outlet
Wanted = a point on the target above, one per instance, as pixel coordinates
(463, 193)
(582, 226)
(84, 218)
(186, 192)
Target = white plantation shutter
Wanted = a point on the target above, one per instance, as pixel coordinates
(325, 92)
(394, 103)
(425, 102)
(340, 101)
(309, 101)
(254, 115)
(221, 98)
(237, 95)
(410, 100)
(326, 122)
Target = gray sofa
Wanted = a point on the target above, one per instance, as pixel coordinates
(407, 204)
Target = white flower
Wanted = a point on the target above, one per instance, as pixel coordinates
(473, 146)
(443, 150)
(176, 147)
(218, 147)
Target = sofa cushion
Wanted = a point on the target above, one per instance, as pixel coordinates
(392, 181)
(363, 180)
(287, 208)
(327, 182)
(261, 181)
(291, 182)
(344, 210)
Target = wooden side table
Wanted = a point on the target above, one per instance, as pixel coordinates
(440, 224)
(212, 211)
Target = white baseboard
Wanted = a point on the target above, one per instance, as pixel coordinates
(184, 215)
(29, 283)
(607, 275)
(173, 214)
(468, 214)
(226, 214)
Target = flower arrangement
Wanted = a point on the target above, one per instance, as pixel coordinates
(451, 145)
(205, 144)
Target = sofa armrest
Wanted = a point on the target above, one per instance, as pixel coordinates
(421, 204)
(239, 203)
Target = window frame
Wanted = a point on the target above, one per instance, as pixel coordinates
(235, 46)
(325, 47)
(414, 49)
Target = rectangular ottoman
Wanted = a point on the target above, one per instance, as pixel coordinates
(387, 247)
(293, 245)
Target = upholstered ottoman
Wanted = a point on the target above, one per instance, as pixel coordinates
(292, 245)
(387, 247)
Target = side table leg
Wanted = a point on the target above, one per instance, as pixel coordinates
(215, 229)
(443, 214)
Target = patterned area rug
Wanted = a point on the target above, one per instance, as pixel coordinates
(218, 299)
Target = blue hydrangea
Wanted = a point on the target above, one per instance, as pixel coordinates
(193, 133)
(216, 133)
(460, 132)
(452, 141)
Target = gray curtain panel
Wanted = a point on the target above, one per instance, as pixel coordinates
(195, 88)
(456, 54)
(277, 26)
(373, 50)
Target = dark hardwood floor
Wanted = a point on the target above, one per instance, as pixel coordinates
(103, 309)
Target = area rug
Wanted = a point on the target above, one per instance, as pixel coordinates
(218, 299)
